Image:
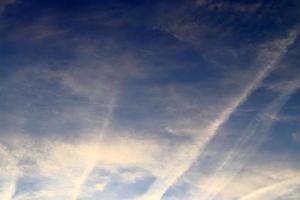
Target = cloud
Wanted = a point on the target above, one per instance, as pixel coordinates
(245, 148)
(282, 86)
(10, 172)
(269, 57)
(39, 30)
(70, 114)
(196, 23)
(259, 181)
(60, 167)
(296, 136)
(234, 6)
(84, 95)
(100, 186)
(275, 190)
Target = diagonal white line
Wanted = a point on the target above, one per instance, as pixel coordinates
(285, 186)
(260, 127)
(188, 154)
(89, 169)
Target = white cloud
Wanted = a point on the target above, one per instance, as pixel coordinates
(60, 167)
(9, 174)
(100, 186)
(63, 168)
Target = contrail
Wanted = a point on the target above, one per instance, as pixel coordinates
(190, 153)
(89, 169)
(9, 191)
(276, 190)
(258, 129)
(14, 173)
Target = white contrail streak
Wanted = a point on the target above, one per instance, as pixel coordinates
(11, 173)
(258, 129)
(188, 154)
(89, 169)
(9, 191)
(274, 191)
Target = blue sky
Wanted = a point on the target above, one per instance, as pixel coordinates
(149, 100)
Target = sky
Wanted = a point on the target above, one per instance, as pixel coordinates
(149, 100)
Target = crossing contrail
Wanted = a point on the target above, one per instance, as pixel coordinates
(189, 153)
(258, 129)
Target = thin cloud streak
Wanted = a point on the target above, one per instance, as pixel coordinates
(89, 169)
(276, 190)
(187, 155)
(9, 191)
(253, 177)
(10, 171)
(257, 130)
(111, 105)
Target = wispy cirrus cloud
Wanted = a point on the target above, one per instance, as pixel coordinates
(236, 7)
(86, 97)
(148, 101)
(55, 167)
(39, 30)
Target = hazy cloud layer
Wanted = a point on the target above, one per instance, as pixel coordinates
(149, 100)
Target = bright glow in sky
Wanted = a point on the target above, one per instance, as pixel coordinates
(149, 100)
